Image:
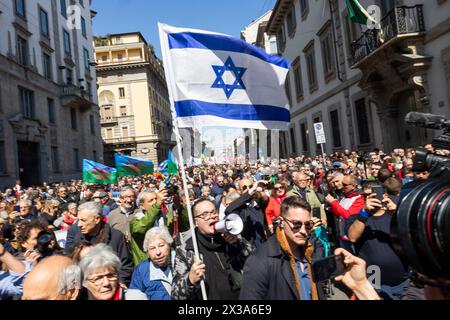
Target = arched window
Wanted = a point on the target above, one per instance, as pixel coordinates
(107, 105)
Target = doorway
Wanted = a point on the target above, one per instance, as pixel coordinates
(29, 163)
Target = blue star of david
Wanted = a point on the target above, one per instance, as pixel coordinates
(238, 74)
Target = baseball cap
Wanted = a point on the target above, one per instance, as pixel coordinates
(99, 194)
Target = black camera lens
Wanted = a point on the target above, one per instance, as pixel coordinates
(421, 228)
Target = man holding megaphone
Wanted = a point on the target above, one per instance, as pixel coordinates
(223, 253)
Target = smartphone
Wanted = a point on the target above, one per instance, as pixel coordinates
(316, 213)
(379, 191)
(328, 268)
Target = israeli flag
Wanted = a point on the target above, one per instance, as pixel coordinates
(218, 80)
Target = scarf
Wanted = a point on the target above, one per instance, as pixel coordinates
(308, 253)
(280, 199)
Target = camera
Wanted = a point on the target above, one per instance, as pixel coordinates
(420, 230)
(44, 241)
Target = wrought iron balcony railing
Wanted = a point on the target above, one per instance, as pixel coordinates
(399, 21)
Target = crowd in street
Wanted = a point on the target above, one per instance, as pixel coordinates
(132, 240)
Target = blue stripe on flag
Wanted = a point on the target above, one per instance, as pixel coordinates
(192, 108)
(185, 40)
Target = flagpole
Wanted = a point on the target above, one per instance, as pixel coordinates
(168, 72)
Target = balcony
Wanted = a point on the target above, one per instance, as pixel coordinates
(400, 22)
(121, 141)
(109, 121)
(75, 97)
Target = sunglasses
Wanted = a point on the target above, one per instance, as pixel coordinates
(278, 188)
(298, 225)
(244, 188)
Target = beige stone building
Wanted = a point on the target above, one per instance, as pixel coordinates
(133, 98)
(49, 120)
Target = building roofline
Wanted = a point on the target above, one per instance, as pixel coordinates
(125, 34)
(279, 12)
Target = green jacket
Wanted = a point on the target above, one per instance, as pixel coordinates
(144, 222)
(311, 198)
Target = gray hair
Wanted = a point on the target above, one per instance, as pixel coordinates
(69, 279)
(125, 189)
(232, 196)
(142, 195)
(54, 202)
(337, 174)
(27, 202)
(100, 256)
(154, 233)
(72, 205)
(95, 208)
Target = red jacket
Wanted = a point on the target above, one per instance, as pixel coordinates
(349, 206)
(273, 209)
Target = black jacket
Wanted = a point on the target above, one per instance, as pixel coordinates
(253, 219)
(113, 238)
(268, 274)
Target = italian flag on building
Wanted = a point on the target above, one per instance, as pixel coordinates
(357, 13)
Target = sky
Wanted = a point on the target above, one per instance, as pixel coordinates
(223, 16)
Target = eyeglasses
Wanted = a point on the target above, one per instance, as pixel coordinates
(297, 225)
(244, 188)
(278, 188)
(98, 280)
(206, 215)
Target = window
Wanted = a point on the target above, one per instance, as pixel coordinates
(387, 6)
(2, 158)
(119, 56)
(291, 22)
(86, 58)
(124, 132)
(27, 102)
(353, 32)
(293, 144)
(104, 58)
(335, 127)
(20, 8)
(43, 17)
(51, 111)
(287, 87)
(311, 66)
(69, 73)
(109, 134)
(107, 113)
(73, 118)
(47, 66)
(94, 155)
(55, 159)
(92, 125)
(362, 121)
(298, 79)
(304, 8)
(304, 134)
(123, 110)
(88, 88)
(22, 51)
(122, 92)
(76, 159)
(67, 45)
(281, 38)
(327, 54)
(83, 28)
(63, 8)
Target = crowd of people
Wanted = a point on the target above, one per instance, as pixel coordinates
(132, 240)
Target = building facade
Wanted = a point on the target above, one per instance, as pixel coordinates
(362, 82)
(49, 119)
(134, 104)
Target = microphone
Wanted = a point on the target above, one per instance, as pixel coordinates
(232, 224)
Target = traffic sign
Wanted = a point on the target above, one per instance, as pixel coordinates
(320, 133)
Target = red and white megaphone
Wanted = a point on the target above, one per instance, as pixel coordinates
(232, 224)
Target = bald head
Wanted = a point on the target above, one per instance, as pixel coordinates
(245, 185)
(54, 278)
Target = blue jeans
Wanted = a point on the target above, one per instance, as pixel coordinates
(392, 292)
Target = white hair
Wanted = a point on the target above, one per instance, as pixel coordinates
(154, 233)
(93, 207)
(142, 195)
(26, 202)
(72, 205)
(69, 279)
(100, 256)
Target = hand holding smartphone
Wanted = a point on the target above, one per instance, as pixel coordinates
(328, 268)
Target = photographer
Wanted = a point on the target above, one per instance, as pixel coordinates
(370, 232)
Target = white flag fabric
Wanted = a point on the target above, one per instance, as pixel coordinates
(219, 80)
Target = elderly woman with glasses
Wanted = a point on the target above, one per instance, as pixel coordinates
(100, 268)
(154, 276)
